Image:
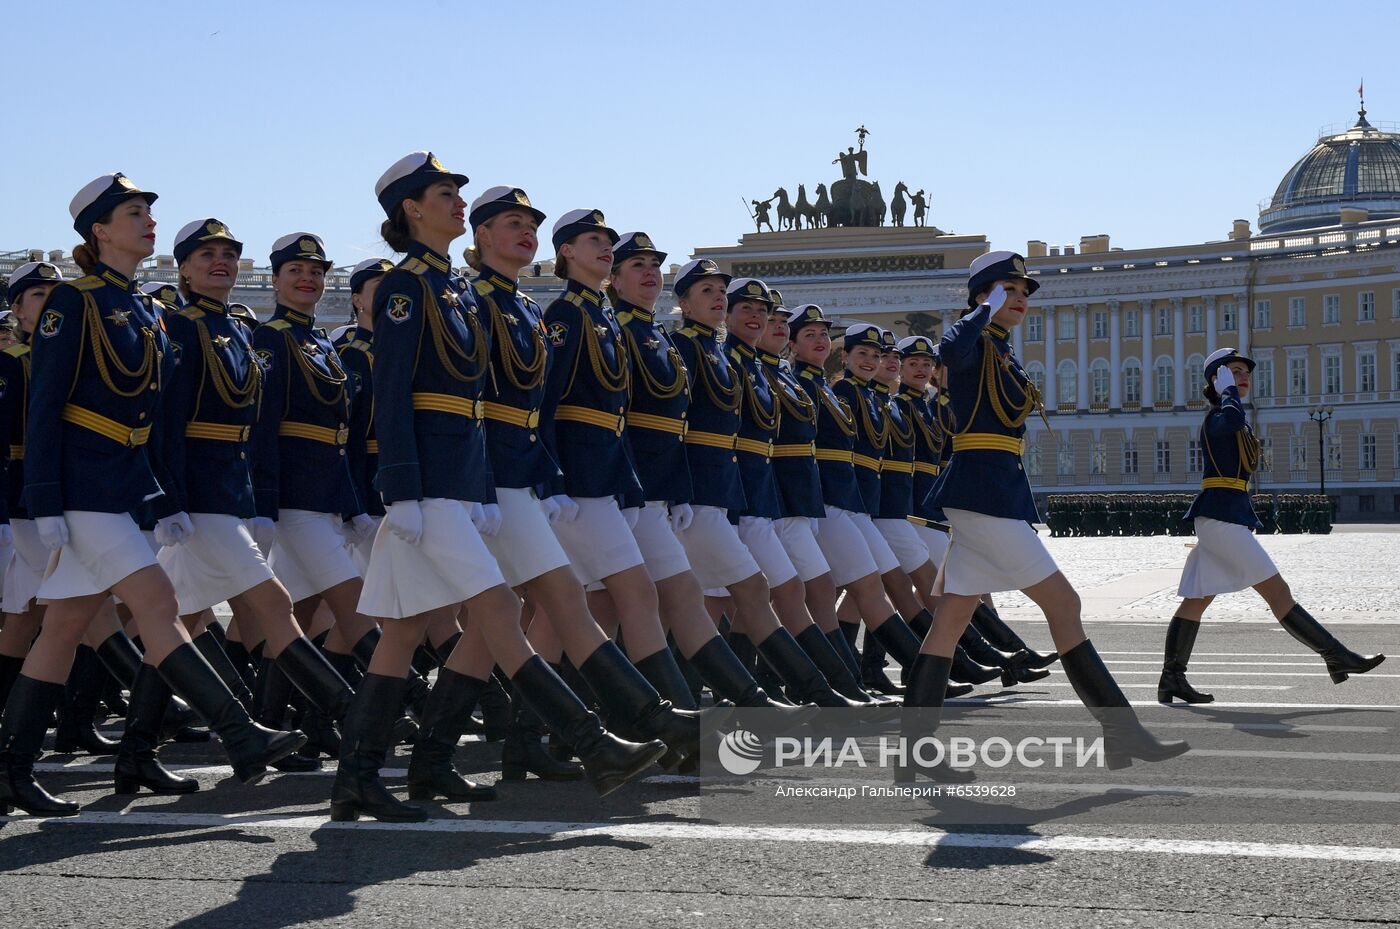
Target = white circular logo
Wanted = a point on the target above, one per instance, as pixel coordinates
(740, 752)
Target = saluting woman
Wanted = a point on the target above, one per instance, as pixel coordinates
(99, 357)
(717, 555)
(987, 498)
(208, 411)
(1227, 556)
(428, 558)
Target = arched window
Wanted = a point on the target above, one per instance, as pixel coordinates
(1195, 377)
(1066, 390)
(1036, 372)
(1162, 372)
(1132, 381)
(1098, 381)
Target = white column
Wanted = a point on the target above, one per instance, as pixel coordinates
(1149, 382)
(1178, 354)
(1016, 343)
(1081, 334)
(1115, 376)
(1242, 322)
(1210, 324)
(1052, 383)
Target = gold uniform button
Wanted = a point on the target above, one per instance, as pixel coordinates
(735, 459)
(534, 438)
(683, 412)
(242, 455)
(140, 415)
(342, 453)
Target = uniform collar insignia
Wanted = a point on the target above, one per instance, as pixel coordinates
(292, 316)
(116, 279)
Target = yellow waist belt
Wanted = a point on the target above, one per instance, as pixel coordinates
(712, 440)
(987, 442)
(832, 454)
(795, 451)
(501, 413)
(657, 423)
(898, 467)
(865, 461)
(1224, 483)
(96, 422)
(323, 434)
(755, 447)
(923, 467)
(613, 422)
(16, 452)
(448, 403)
(218, 432)
(372, 446)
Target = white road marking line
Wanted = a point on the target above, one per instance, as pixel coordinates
(98, 766)
(1194, 673)
(1038, 685)
(1228, 664)
(906, 838)
(1013, 698)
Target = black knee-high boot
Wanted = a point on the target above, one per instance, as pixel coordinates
(212, 649)
(995, 630)
(1015, 668)
(608, 761)
(415, 687)
(328, 695)
(728, 678)
(77, 727)
(1124, 737)
(137, 765)
(872, 668)
(272, 694)
(806, 681)
(1181, 639)
(364, 744)
(845, 651)
(625, 695)
(837, 673)
(663, 671)
(1341, 661)
(927, 684)
(242, 661)
(250, 747)
(27, 712)
(430, 771)
(122, 659)
(9, 672)
(524, 752)
(965, 669)
(902, 643)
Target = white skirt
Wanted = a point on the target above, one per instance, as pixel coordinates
(524, 548)
(885, 558)
(360, 551)
(760, 538)
(219, 561)
(25, 572)
(844, 547)
(662, 552)
(309, 555)
(599, 542)
(987, 554)
(449, 564)
(799, 539)
(1227, 558)
(712, 545)
(936, 541)
(103, 549)
(904, 542)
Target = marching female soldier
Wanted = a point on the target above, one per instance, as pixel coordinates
(987, 499)
(718, 557)
(926, 405)
(89, 419)
(307, 506)
(208, 410)
(428, 556)
(357, 357)
(1227, 556)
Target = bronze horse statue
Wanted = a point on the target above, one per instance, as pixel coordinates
(820, 213)
(897, 205)
(803, 207)
(787, 214)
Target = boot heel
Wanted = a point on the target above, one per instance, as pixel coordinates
(1164, 696)
(514, 773)
(5, 809)
(1116, 761)
(344, 812)
(126, 787)
(1338, 676)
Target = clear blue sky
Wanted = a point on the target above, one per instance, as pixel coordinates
(1155, 123)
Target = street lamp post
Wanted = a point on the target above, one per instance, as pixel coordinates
(1320, 415)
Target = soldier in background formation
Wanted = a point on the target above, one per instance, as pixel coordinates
(1073, 515)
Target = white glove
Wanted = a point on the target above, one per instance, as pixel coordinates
(1224, 377)
(681, 517)
(486, 517)
(631, 514)
(357, 528)
(568, 509)
(174, 530)
(405, 520)
(264, 530)
(550, 508)
(53, 531)
(996, 299)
